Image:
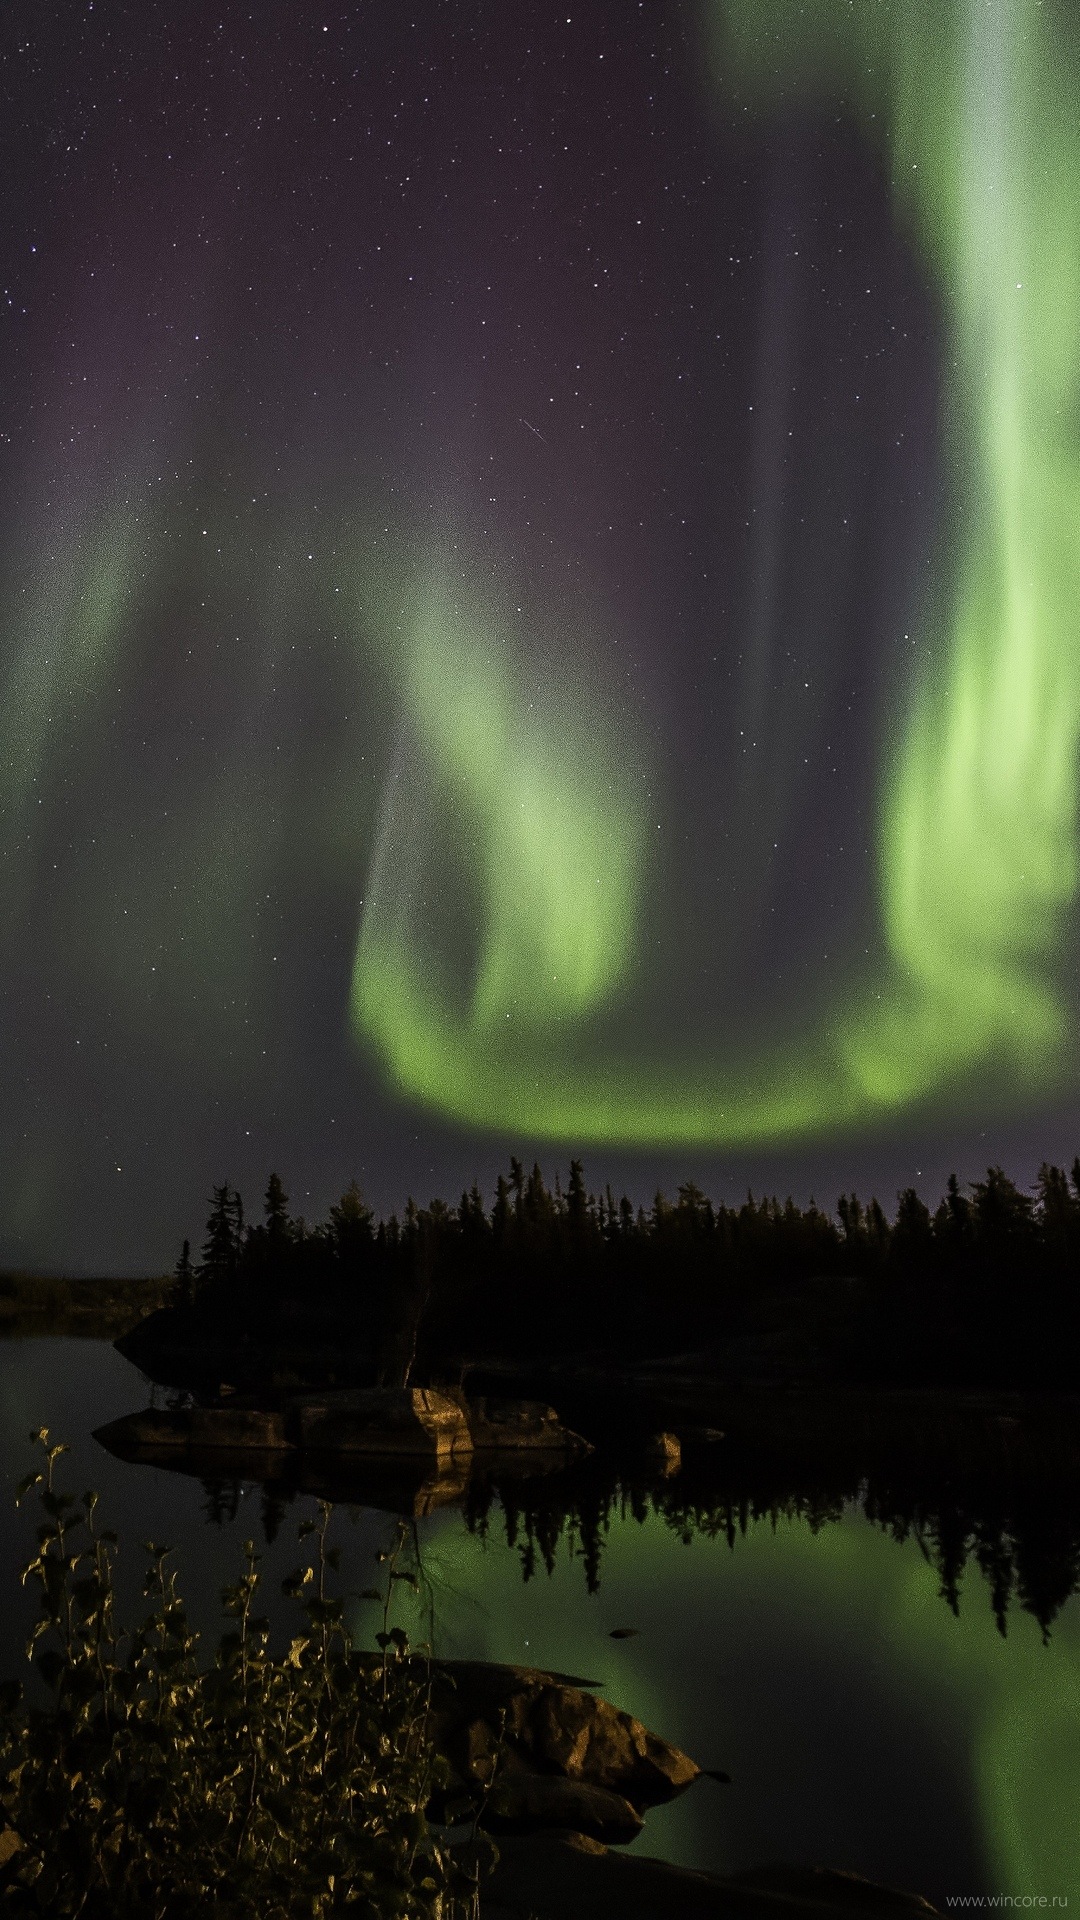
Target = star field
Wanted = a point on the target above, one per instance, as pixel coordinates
(535, 606)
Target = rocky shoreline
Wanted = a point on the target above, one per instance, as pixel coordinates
(544, 1751)
(564, 1778)
(716, 1387)
(566, 1876)
(407, 1423)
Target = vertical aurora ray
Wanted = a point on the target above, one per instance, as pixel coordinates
(546, 823)
(69, 633)
(976, 837)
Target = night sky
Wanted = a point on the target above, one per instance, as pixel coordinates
(538, 584)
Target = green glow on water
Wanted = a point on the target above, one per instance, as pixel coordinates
(796, 1660)
(976, 838)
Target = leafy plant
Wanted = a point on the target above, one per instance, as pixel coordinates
(155, 1786)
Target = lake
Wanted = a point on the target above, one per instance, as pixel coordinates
(798, 1644)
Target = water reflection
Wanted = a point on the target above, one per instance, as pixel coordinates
(1025, 1541)
(828, 1637)
(832, 1636)
(1020, 1528)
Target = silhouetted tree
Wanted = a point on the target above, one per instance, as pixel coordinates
(850, 1211)
(952, 1221)
(912, 1234)
(221, 1248)
(577, 1202)
(501, 1214)
(276, 1214)
(350, 1230)
(184, 1290)
(1058, 1223)
(1004, 1218)
(986, 1290)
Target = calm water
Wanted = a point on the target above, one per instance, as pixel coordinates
(865, 1725)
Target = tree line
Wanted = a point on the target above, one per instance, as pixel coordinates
(983, 1288)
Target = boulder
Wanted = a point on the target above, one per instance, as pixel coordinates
(666, 1453)
(571, 1877)
(550, 1724)
(378, 1423)
(378, 1420)
(833, 1891)
(158, 1429)
(153, 1429)
(508, 1425)
(235, 1427)
(525, 1801)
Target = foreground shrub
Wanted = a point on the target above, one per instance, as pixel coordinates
(153, 1786)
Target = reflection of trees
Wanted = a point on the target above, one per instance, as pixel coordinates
(1025, 1541)
(1045, 1570)
(1019, 1529)
(275, 1499)
(222, 1501)
(578, 1511)
(540, 1514)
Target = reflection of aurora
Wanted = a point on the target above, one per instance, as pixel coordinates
(818, 1666)
(813, 1661)
(976, 833)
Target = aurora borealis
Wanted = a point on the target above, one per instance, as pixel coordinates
(537, 574)
(977, 811)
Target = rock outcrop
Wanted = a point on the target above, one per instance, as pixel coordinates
(374, 1422)
(665, 1452)
(158, 1429)
(526, 1801)
(570, 1877)
(505, 1426)
(552, 1753)
(378, 1420)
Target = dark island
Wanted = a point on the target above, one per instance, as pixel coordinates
(982, 1293)
(565, 1344)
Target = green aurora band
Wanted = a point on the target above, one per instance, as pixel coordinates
(976, 836)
